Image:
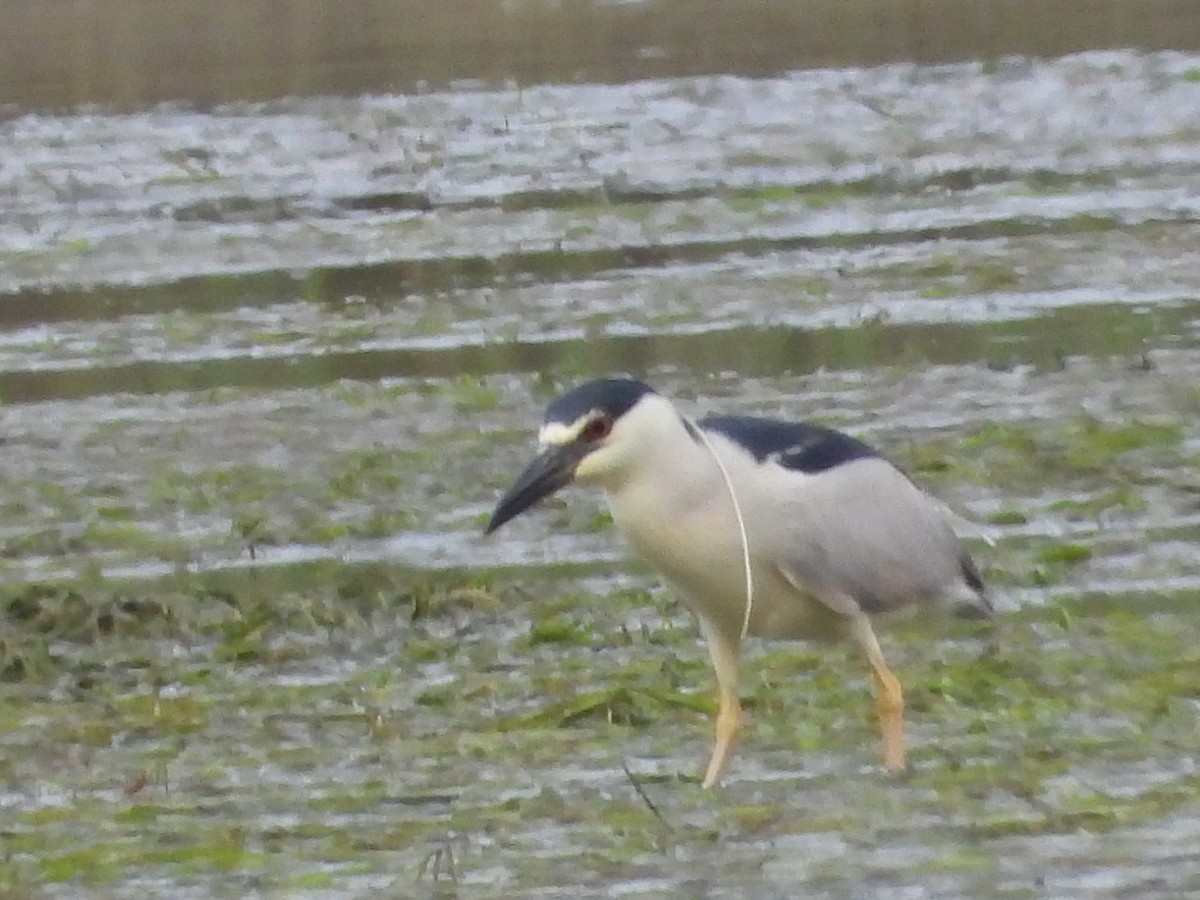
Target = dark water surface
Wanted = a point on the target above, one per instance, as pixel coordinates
(129, 53)
(266, 363)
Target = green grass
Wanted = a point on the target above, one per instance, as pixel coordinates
(160, 755)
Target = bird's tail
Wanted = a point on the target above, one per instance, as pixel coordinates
(972, 600)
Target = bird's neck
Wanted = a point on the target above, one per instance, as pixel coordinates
(674, 470)
(673, 507)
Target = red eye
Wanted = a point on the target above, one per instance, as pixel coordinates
(597, 429)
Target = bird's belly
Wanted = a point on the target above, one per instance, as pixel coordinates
(781, 610)
(709, 572)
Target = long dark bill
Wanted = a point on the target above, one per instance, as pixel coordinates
(549, 471)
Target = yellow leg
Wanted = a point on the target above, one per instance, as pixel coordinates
(889, 697)
(724, 652)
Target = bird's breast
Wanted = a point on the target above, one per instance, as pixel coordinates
(698, 548)
(696, 544)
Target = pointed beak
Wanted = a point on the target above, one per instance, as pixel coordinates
(549, 471)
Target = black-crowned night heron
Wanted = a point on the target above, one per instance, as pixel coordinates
(768, 528)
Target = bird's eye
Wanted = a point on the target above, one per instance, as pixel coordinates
(597, 429)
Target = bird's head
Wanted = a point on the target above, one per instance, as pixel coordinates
(588, 434)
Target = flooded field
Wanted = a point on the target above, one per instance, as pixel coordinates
(265, 368)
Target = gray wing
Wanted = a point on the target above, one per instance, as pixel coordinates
(862, 531)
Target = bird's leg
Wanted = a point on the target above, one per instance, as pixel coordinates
(889, 697)
(723, 650)
(729, 726)
(889, 705)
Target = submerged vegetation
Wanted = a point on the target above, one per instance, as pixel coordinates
(159, 729)
(178, 725)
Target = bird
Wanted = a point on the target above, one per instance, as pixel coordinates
(765, 528)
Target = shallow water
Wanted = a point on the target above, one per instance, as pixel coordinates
(266, 368)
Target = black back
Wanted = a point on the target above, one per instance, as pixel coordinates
(794, 445)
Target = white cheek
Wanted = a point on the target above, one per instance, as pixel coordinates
(604, 466)
(591, 467)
